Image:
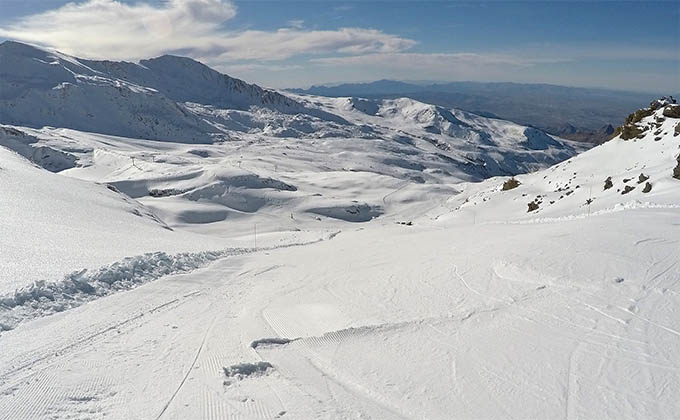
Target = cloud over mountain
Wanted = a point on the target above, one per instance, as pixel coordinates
(117, 30)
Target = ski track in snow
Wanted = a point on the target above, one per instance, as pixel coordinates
(193, 364)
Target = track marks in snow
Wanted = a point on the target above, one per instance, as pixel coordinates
(26, 375)
(631, 205)
(314, 376)
(31, 360)
(215, 406)
(312, 357)
(647, 241)
(191, 367)
(88, 399)
(35, 378)
(615, 338)
(571, 384)
(656, 324)
(298, 360)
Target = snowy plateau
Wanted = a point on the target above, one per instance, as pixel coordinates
(179, 244)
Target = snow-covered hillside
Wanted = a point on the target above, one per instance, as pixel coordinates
(178, 99)
(225, 159)
(213, 155)
(625, 173)
(39, 88)
(59, 223)
(200, 247)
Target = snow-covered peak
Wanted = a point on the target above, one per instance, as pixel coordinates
(488, 146)
(46, 88)
(183, 79)
(24, 67)
(433, 118)
(13, 49)
(18, 49)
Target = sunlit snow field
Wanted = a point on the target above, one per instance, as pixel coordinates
(327, 258)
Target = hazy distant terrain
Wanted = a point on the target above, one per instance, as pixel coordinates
(576, 113)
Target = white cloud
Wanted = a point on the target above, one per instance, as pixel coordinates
(99, 28)
(115, 30)
(286, 42)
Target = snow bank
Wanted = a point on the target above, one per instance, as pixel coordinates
(44, 298)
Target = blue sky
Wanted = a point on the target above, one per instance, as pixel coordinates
(612, 44)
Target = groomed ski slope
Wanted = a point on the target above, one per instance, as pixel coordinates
(575, 319)
(478, 309)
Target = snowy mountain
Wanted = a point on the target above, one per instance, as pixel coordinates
(185, 80)
(39, 88)
(178, 99)
(479, 147)
(221, 152)
(212, 249)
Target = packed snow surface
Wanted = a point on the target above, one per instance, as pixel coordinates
(323, 258)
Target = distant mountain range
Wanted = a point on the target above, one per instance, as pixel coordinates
(582, 114)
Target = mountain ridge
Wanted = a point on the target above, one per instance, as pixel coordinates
(545, 106)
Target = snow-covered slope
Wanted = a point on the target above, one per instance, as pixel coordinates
(185, 80)
(622, 173)
(335, 258)
(54, 224)
(479, 146)
(472, 311)
(241, 155)
(40, 88)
